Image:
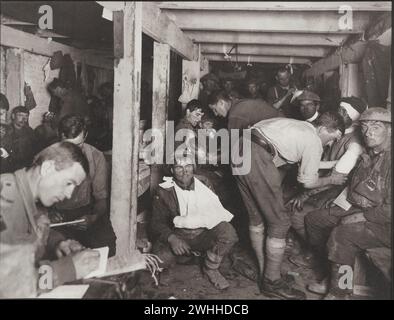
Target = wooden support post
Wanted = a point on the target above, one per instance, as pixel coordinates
(388, 100)
(3, 79)
(360, 282)
(161, 90)
(127, 74)
(14, 77)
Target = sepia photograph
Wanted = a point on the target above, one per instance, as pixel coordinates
(209, 151)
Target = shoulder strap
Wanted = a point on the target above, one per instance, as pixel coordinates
(27, 198)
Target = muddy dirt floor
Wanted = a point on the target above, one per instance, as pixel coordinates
(187, 282)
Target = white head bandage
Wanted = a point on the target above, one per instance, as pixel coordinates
(313, 118)
(353, 113)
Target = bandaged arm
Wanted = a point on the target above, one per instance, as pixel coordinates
(349, 159)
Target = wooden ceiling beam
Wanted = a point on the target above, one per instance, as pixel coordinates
(292, 39)
(276, 6)
(158, 26)
(268, 50)
(268, 21)
(260, 59)
(14, 38)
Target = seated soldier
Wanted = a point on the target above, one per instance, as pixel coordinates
(342, 156)
(5, 143)
(4, 107)
(228, 85)
(253, 89)
(192, 117)
(25, 236)
(188, 126)
(210, 83)
(89, 200)
(309, 105)
(188, 218)
(208, 133)
(194, 134)
(279, 96)
(365, 213)
(22, 138)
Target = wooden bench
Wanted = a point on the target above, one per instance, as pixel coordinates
(381, 259)
(365, 267)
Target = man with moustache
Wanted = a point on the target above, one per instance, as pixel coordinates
(367, 222)
(188, 218)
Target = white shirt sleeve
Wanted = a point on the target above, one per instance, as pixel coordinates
(349, 159)
(309, 166)
(327, 164)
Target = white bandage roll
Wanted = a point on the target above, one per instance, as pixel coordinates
(353, 113)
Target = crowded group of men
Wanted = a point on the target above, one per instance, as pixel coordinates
(338, 202)
(324, 175)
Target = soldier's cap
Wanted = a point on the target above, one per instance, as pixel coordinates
(308, 95)
(21, 109)
(252, 81)
(210, 76)
(227, 79)
(376, 114)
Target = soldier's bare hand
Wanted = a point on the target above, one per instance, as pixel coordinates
(178, 246)
(67, 247)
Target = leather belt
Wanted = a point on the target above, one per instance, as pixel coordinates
(262, 141)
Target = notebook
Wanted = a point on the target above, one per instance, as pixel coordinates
(102, 268)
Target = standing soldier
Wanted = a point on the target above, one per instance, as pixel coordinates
(261, 189)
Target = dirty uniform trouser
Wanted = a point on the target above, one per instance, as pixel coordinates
(347, 240)
(216, 242)
(312, 204)
(262, 194)
(320, 223)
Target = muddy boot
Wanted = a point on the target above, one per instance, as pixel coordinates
(216, 278)
(210, 269)
(281, 289)
(273, 283)
(290, 279)
(320, 287)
